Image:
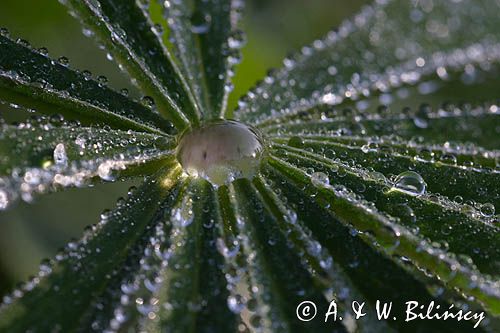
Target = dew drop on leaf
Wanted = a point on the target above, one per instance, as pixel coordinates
(227, 250)
(4, 200)
(200, 22)
(320, 179)
(60, 157)
(220, 151)
(409, 182)
(487, 209)
(235, 303)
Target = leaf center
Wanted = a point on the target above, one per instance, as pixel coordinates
(220, 151)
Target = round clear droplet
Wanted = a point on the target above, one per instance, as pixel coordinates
(488, 209)
(320, 179)
(410, 183)
(221, 151)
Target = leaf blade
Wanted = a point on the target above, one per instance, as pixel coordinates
(354, 63)
(207, 44)
(78, 263)
(30, 78)
(40, 157)
(127, 33)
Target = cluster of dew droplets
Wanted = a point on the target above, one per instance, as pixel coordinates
(247, 296)
(139, 294)
(252, 291)
(390, 227)
(71, 157)
(408, 182)
(426, 60)
(244, 292)
(338, 285)
(26, 73)
(200, 24)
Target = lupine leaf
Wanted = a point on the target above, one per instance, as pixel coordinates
(352, 200)
(40, 157)
(205, 40)
(28, 77)
(88, 269)
(452, 124)
(127, 33)
(274, 270)
(373, 273)
(193, 284)
(386, 46)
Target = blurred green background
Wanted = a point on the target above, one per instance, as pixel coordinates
(31, 232)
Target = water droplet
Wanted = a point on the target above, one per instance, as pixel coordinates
(105, 170)
(228, 251)
(236, 41)
(320, 179)
(43, 50)
(4, 32)
(183, 216)
(332, 70)
(60, 157)
(405, 213)
(220, 151)
(87, 32)
(200, 22)
(102, 81)
(256, 321)
(63, 61)
(148, 102)
(421, 119)
(236, 303)
(410, 183)
(487, 209)
(4, 200)
(87, 75)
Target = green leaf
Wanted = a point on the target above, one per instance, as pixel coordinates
(394, 237)
(352, 202)
(462, 172)
(273, 270)
(73, 284)
(40, 157)
(28, 77)
(389, 45)
(193, 286)
(464, 229)
(328, 273)
(449, 123)
(123, 27)
(355, 251)
(204, 38)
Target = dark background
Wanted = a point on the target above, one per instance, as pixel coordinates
(31, 232)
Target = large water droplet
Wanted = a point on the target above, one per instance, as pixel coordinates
(236, 303)
(488, 209)
(410, 183)
(4, 200)
(220, 151)
(320, 179)
(60, 157)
